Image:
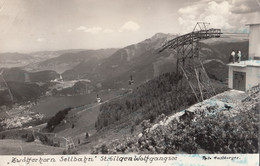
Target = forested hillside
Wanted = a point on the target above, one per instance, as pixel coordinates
(149, 101)
(19, 75)
(210, 131)
(80, 87)
(22, 92)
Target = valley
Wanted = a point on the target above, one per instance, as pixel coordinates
(56, 98)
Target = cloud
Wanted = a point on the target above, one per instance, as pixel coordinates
(188, 9)
(230, 14)
(69, 30)
(93, 30)
(189, 16)
(81, 28)
(108, 30)
(245, 6)
(40, 39)
(129, 26)
(218, 14)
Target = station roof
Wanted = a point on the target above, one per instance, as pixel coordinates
(249, 63)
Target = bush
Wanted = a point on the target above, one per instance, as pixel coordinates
(69, 151)
(3, 136)
(28, 137)
(54, 121)
(104, 149)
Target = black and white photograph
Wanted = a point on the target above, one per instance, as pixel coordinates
(113, 77)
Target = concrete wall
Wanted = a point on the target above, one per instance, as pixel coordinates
(254, 41)
(252, 75)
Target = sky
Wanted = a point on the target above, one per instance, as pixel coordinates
(39, 25)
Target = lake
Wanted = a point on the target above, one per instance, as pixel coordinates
(50, 105)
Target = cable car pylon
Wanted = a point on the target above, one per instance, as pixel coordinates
(187, 51)
(131, 83)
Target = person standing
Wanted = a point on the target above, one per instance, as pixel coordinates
(239, 56)
(232, 57)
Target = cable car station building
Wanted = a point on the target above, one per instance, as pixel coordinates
(246, 74)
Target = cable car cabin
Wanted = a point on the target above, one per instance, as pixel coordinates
(131, 81)
(98, 100)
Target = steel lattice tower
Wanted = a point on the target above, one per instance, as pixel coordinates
(187, 50)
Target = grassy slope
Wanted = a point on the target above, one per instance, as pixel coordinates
(216, 129)
(122, 128)
(17, 147)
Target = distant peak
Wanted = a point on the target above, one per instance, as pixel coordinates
(160, 35)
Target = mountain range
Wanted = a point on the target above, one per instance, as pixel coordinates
(112, 68)
(143, 62)
(107, 72)
(68, 60)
